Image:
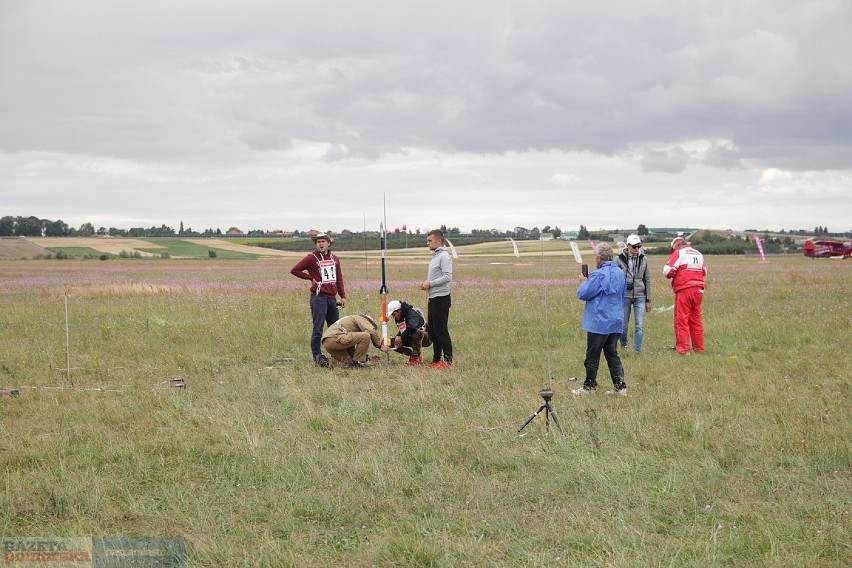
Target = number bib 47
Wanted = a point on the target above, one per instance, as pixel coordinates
(328, 271)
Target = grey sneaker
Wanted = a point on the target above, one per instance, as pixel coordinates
(582, 392)
(622, 392)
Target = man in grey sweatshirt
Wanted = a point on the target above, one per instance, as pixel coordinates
(437, 286)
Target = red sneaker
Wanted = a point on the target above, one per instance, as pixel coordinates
(414, 361)
(440, 365)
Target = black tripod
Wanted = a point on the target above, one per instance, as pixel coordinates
(546, 394)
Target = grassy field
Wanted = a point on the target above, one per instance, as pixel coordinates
(104, 248)
(738, 457)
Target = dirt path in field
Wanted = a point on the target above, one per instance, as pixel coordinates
(32, 246)
(15, 248)
(25, 248)
(101, 244)
(260, 251)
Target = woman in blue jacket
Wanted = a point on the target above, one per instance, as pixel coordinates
(603, 320)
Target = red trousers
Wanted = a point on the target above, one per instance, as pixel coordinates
(687, 320)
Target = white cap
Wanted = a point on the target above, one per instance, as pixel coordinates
(678, 242)
(393, 306)
(634, 240)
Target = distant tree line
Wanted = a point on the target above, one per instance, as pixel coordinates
(713, 243)
(349, 241)
(34, 227)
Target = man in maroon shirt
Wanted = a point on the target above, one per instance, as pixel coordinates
(323, 270)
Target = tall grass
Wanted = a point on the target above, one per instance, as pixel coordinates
(738, 457)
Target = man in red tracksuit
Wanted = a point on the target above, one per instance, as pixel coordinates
(685, 268)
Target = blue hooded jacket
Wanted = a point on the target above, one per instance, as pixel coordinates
(603, 293)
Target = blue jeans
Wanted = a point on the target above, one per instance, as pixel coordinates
(323, 311)
(638, 305)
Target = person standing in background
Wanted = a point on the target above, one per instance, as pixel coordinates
(603, 320)
(322, 268)
(686, 269)
(637, 296)
(437, 287)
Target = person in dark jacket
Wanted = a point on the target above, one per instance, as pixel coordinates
(633, 262)
(603, 320)
(412, 330)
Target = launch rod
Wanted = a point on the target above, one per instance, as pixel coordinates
(383, 291)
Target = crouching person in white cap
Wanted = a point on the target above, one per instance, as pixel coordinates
(412, 330)
(348, 339)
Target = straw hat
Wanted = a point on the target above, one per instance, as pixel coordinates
(325, 236)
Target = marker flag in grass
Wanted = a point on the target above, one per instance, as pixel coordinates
(515, 247)
(576, 250)
(452, 248)
(759, 244)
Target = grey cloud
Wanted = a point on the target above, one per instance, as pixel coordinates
(224, 94)
(335, 153)
(674, 160)
(722, 156)
(177, 79)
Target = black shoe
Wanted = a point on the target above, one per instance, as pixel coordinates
(321, 361)
(357, 365)
(618, 387)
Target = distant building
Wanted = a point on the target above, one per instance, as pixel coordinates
(314, 232)
(669, 232)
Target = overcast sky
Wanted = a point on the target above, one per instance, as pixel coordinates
(480, 114)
